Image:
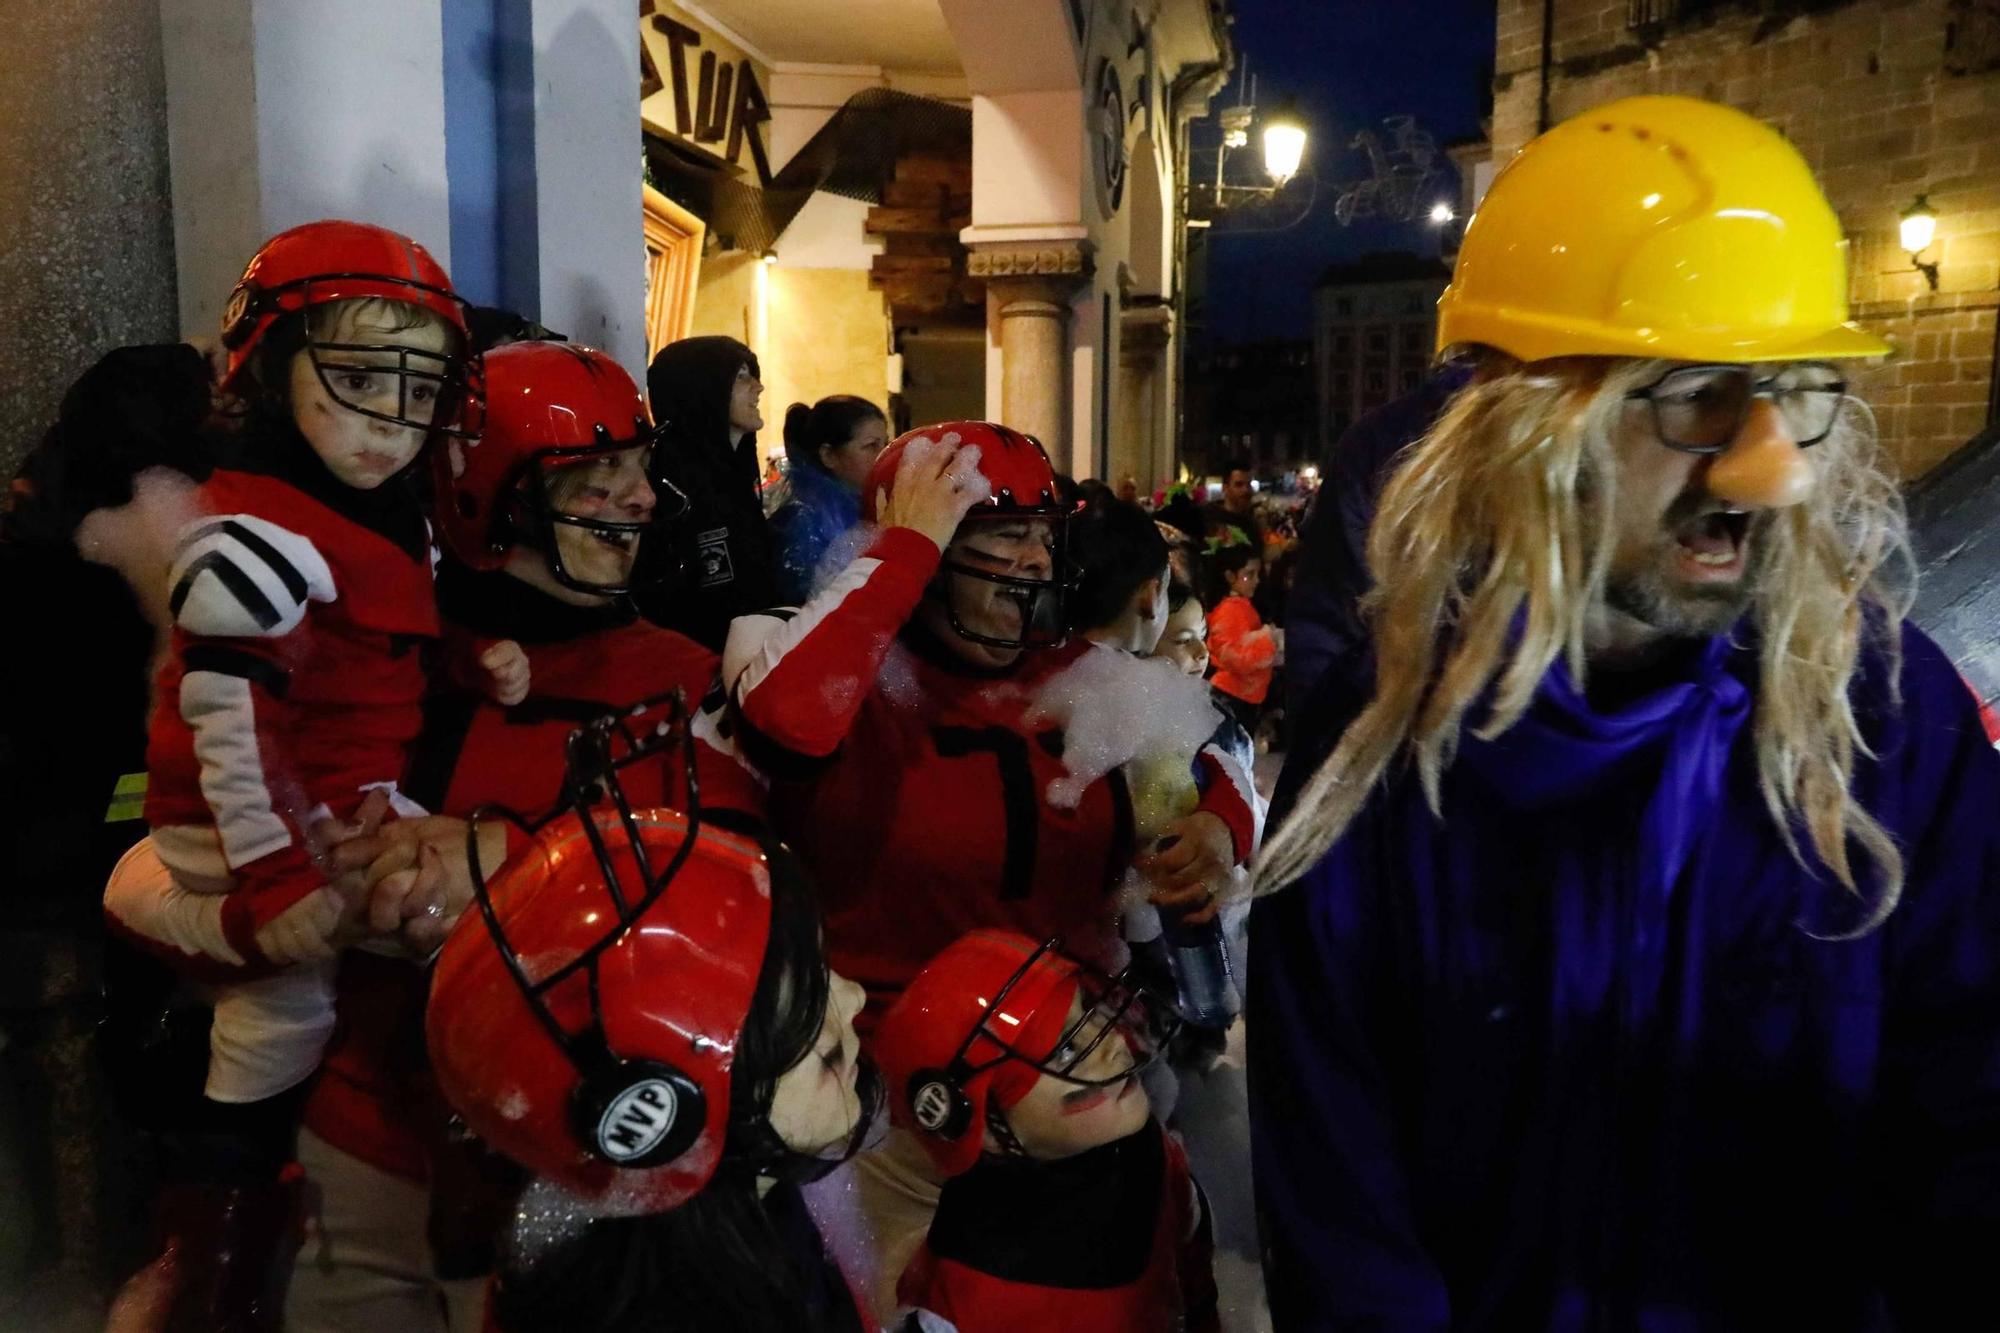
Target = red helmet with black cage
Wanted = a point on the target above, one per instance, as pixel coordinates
(1022, 488)
(988, 1018)
(334, 260)
(588, 1024)
(549, 410)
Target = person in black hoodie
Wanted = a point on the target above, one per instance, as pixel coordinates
(717, 560)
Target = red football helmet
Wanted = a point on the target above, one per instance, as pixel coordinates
(986, 1019)
(586, 1026)
(334, 260)
(547, 406)
(1023, 486)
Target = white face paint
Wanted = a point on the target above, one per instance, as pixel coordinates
(362, 451)
(1152, 618)
(814, 1106)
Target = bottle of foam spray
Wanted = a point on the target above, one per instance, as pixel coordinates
(1163, 790)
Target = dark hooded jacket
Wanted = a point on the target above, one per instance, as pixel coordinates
(75, 675)
(714, 561)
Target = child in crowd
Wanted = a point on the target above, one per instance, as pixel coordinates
(1245, 650)
(1120, 599)
(1066, 1207)
(302, 602)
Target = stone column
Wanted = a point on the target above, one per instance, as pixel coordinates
(1028, 289)
(1139, 444)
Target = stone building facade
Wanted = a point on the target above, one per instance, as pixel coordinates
(1887, 99)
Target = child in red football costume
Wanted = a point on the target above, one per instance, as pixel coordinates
(302, 607)
(1066, 1207)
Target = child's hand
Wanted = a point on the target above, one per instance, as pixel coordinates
(306, 930)
(506, 667)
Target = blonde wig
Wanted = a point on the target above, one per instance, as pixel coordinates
(1502, 512)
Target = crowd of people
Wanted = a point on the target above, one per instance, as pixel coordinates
(576, 850)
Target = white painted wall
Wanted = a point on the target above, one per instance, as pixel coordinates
(287, 111)
(1027, 159)
(827, 233)
(591, 247)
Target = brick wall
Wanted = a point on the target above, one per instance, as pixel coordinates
(1868, 93)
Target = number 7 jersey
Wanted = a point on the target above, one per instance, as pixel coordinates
(916, 788)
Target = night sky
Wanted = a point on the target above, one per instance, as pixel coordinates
(1349, 63)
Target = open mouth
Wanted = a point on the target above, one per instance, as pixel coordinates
(622, 542)
(1711, 546)
(1012, 606)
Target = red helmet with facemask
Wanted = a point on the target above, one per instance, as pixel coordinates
(323, 262)
(586, 1024)
(548, 407)
(1022, 489)
(985, 1021)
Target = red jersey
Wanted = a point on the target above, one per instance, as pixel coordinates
(1114, 1240)
(295, 680)
(915, 786)
(473, 752)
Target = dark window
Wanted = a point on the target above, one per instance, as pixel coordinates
(1378, 339)
(1343, 305)
(1343, 345)
(1410, 379)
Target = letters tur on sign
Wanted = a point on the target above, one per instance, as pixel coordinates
(698, 89)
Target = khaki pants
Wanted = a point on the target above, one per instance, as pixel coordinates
(366, 1265)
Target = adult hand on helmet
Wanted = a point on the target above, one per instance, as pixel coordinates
(1189, 866)
(936, 483)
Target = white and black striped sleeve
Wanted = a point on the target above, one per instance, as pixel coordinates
(240, 576)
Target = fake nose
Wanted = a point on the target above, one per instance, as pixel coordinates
(1763, 467)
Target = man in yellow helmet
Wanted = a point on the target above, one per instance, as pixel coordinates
(1633, 959)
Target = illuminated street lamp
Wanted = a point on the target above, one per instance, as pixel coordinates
(1284, 142)
(1919, 229)
(1441, 213)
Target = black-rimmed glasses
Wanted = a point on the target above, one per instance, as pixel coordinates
(1700, 409)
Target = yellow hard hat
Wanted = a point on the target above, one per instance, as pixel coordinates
(1655, 227)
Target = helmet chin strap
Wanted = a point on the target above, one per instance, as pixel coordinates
(1002, 1131)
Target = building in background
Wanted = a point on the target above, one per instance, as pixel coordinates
(1888, 100)
(1252, 400)
(965, 208)
(954, 207)
(1374, 324)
